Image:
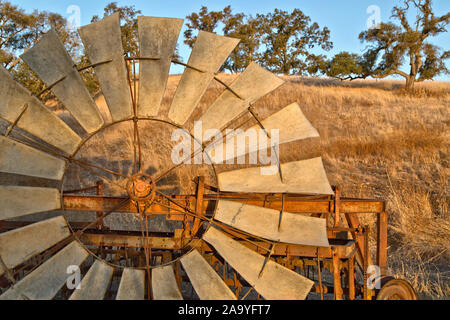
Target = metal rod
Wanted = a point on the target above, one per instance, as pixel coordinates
(187, 66)
(228, 88)
(266, 261)
(319, 274)
(12, 126)
(281, 212)
(93, 65)
(142, 58)
(51, 86)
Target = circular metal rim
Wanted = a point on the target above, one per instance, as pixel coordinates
(399, 287)
(89, 137)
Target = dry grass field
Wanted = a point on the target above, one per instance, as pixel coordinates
(377, 143)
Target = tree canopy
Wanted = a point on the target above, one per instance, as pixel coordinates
(280, 41)
(392, 46)
(283, 42)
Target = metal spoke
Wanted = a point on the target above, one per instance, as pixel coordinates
(137, 150)
(102, 176)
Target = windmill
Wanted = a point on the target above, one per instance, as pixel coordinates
(248, 222)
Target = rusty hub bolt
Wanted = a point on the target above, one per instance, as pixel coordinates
(141, 188)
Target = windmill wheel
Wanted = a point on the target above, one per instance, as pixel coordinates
(40, 146)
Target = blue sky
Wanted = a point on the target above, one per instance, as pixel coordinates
(345, 18)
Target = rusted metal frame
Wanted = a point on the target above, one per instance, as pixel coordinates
(349, 207)
(351, 278)
(319, 274)
(337, 208)
(366, 262)
(199, 204)
(329, 290)
(337, 275)
(147, 254)
(173, 244)
(14, 124)
(354, 223)
(51, 86)
(382, 241)
(99, 214)
(93, 65)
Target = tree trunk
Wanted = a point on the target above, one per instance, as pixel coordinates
(410, 81)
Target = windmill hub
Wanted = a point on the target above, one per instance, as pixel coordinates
(142, 188)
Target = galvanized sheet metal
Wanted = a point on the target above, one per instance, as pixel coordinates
(95, 283)
(301, 177)
(102, 41)
(263, 222)
(165, 285)
(206, 282)
(158, 39)
(132, 285)
(209, 54)
(51, 62)
(37, 119)
(20, 245)
(290, 123)
(254, 83)
(275, 283)
(21, 201)
(18, 158)
(45, 282)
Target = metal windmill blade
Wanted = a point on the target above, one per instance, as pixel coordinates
(51, 62)
(295, 127)
(271, 280)
(247, 222)
(47, 280)
(26, 112)
(103, 43)
(158, 39)
(208, 55)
